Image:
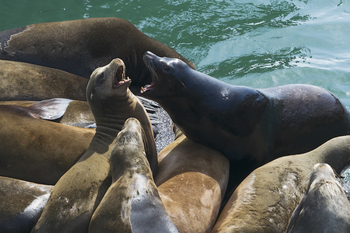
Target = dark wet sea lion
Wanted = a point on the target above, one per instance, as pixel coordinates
(21, 204)
(132, 202)
(192, 181)
(79, 191)
(249, 126)
(324, 207)
(266, 199)
(80, 46)
(37, 150)
(23, 81)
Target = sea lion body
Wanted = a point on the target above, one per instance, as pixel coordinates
(19, 79)
(324, 207)
(266, 199)
(249, 126)
(132, 202)
(192, 181)
(79, 191)
(21, 204)
(37, 150)
(80, 46)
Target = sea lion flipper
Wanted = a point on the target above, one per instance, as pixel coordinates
(50, 109)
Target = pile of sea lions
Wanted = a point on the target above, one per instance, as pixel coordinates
(81, 155)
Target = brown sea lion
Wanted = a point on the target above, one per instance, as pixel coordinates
(192, 181)
(23, 81)
(21, 204)
(78, 113)
(249, 126)
(132, 202)
(324, 207)
(266, 199)
(80, 46)
(79, 191)
(37, 150)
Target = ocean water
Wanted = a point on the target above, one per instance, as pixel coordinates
(257, 43)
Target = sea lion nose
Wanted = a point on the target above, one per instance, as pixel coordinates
(149, 55)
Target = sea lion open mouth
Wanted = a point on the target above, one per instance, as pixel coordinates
(119, 78)
(147, 59)
(147, 87)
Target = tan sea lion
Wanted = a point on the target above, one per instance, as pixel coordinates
(80, 46)
(266, 199)
(132, 202)
(249, 126)
(23, 81)
(192, 181)
(324, 207)
(37, 150)
(21, 204)
(79, 191)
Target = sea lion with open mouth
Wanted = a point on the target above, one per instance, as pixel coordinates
(79, 191)
(249, 126)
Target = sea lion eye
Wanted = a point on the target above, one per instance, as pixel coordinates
(100, 77)
(166, 68)
(99, 80)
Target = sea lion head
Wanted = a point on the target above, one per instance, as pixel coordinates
(321, 174)
(168, 76)
(131, 134)
(107, 84)
(130, 144)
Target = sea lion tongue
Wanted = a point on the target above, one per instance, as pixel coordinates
(119, 78)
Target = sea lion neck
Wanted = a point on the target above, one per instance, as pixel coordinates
(110, 117)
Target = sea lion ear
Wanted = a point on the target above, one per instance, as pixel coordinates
(50, 109)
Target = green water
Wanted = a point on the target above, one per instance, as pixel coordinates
(258, 43)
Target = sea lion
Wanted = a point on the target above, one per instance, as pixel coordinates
(132, 202)
(266, 199)
(324, 207)
(78, 113)
(37, 150)
(249, 126)
(18, 80)
(192, 181)
(80, 46)
(21, 204)
(79, 191)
